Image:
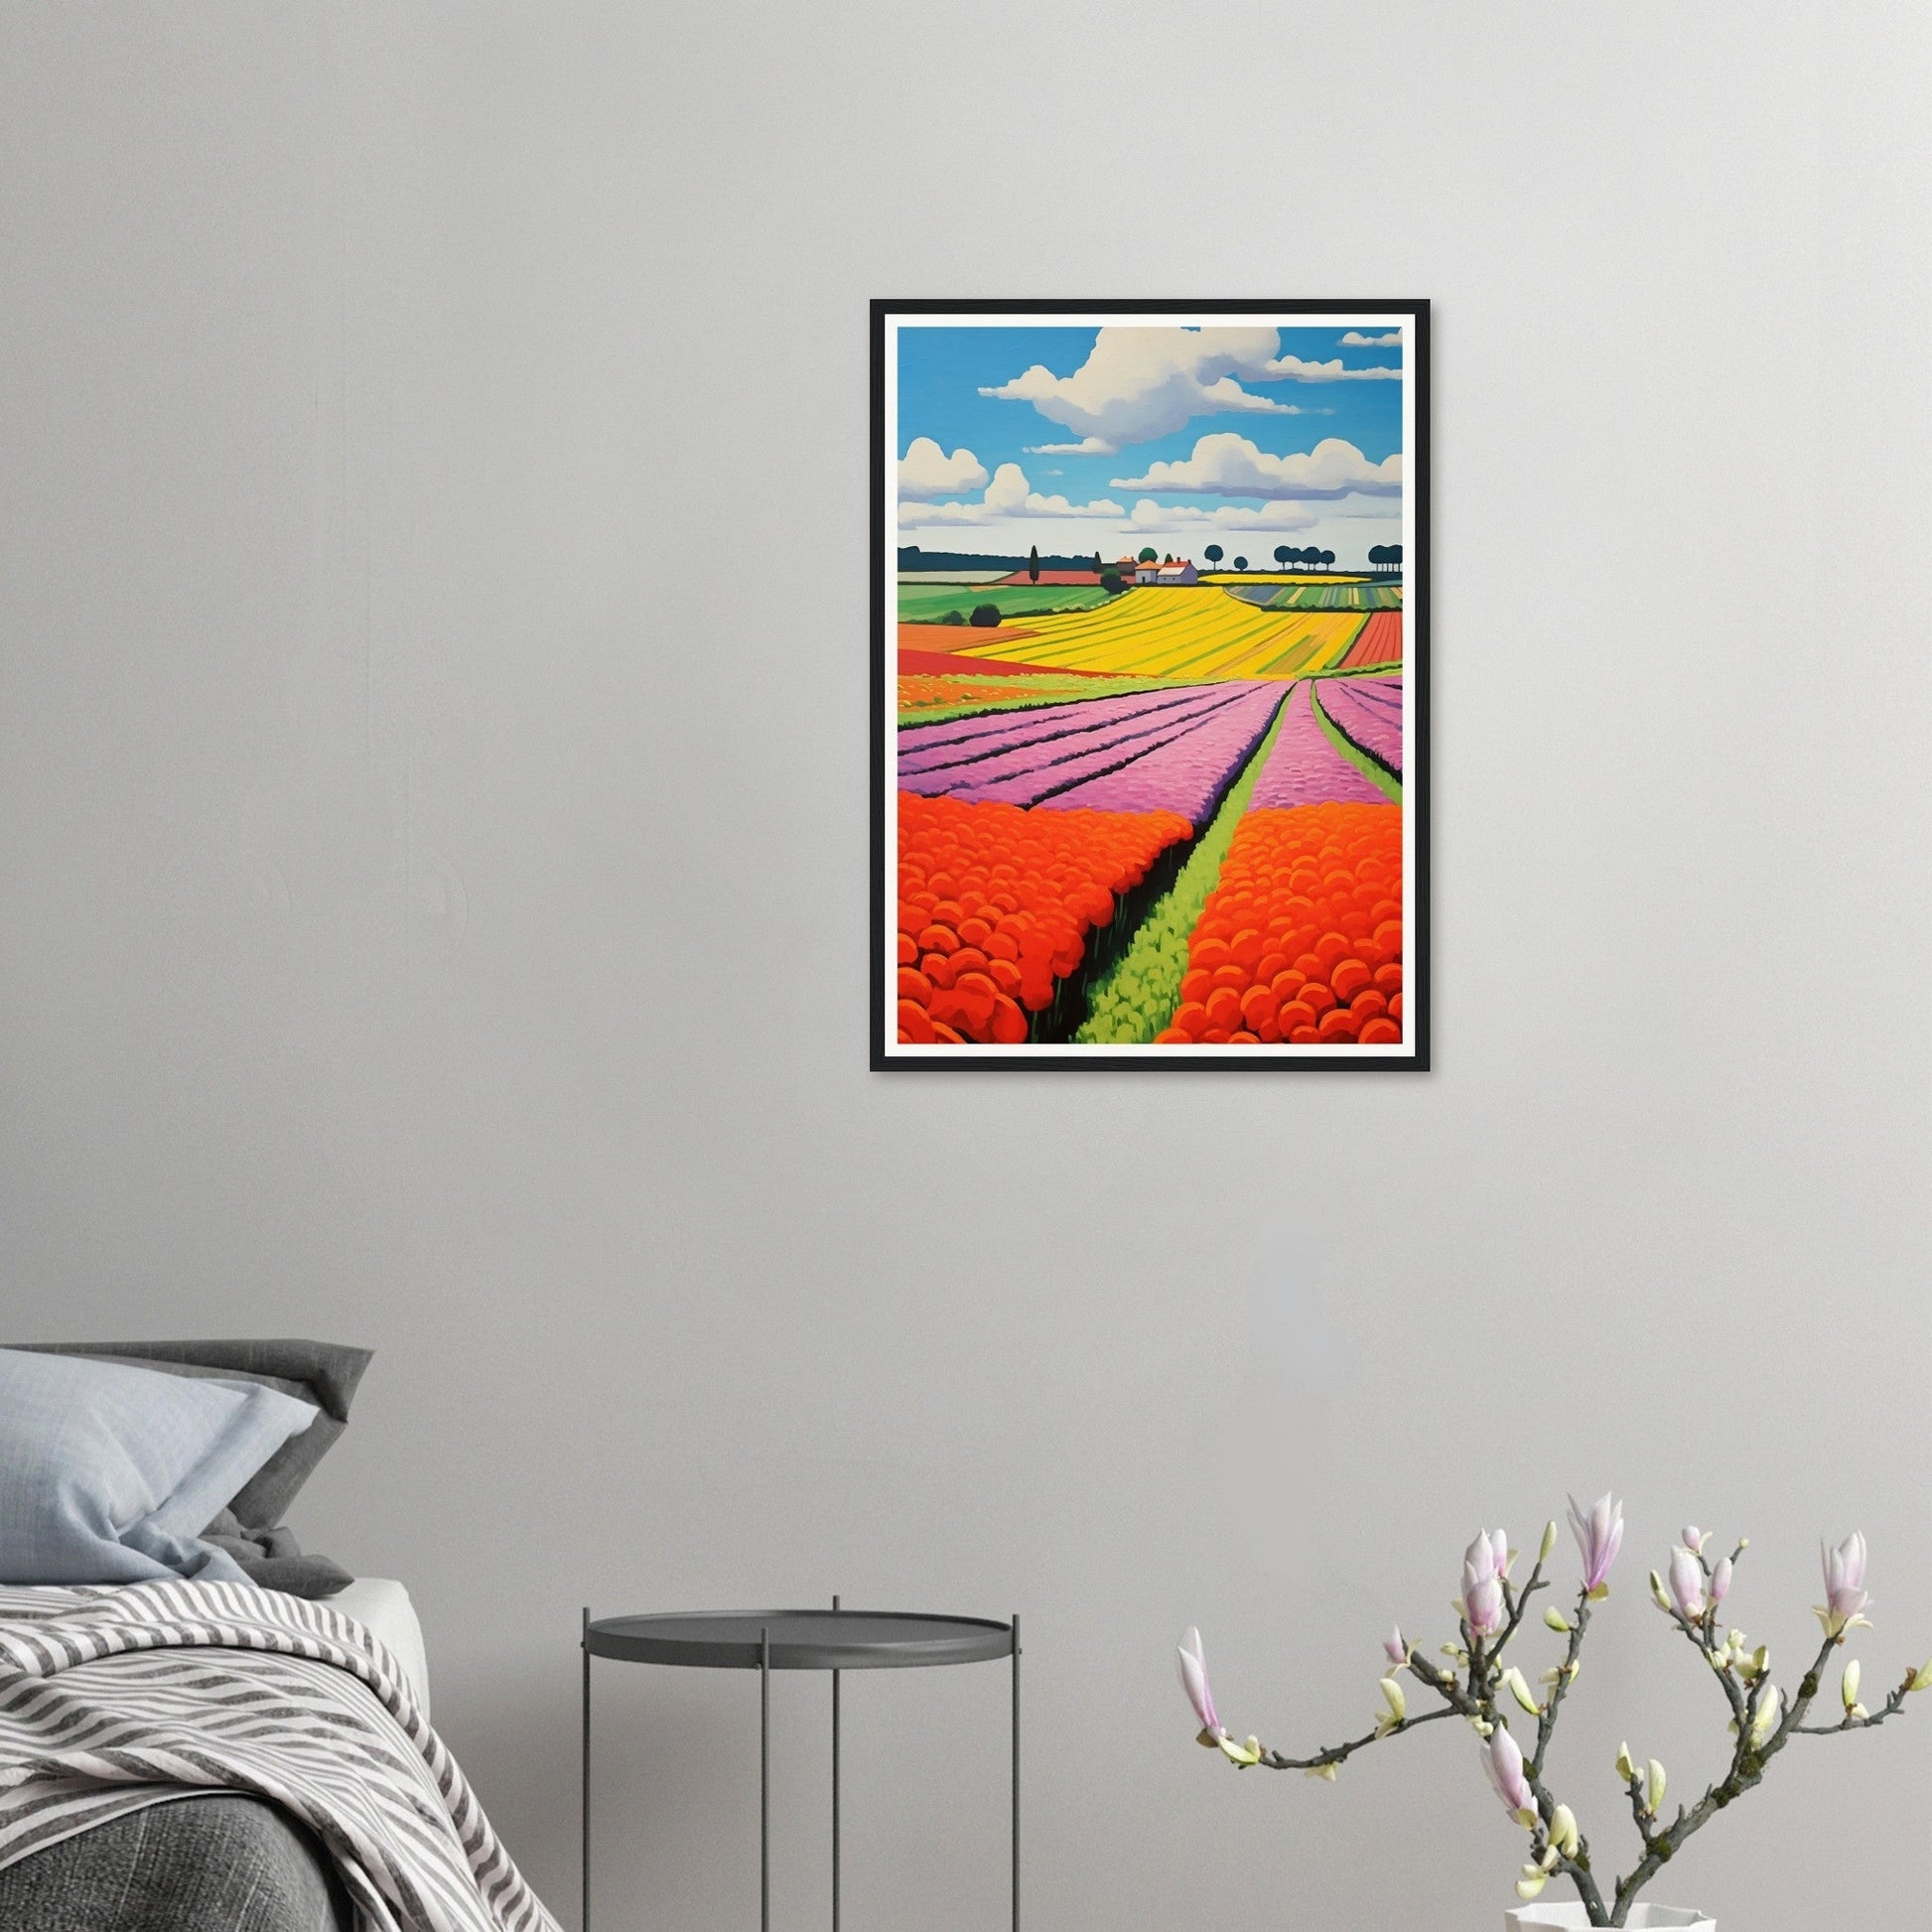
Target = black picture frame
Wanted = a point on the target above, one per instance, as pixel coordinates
(1413, 1054)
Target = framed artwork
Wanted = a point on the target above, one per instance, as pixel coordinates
(1150, 689)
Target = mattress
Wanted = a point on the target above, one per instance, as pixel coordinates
(382, 1605)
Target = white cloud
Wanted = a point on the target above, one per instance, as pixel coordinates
(1227, 464)
(1356, 340)
(1139, 384)
(1008, 498)
(1150, 515)
(928, 471)
(1301, 371)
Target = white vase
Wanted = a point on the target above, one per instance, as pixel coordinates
(1573, 1918)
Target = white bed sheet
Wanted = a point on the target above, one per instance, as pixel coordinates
(383, 1606)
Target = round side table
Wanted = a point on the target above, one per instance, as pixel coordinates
(835, 1640)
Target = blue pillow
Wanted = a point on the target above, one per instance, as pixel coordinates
(108, 1474)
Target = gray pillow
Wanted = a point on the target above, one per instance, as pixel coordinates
(109, 1473)
(324, 1374)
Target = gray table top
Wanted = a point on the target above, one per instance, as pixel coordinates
(802, 1639)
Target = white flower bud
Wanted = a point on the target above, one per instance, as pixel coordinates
(1563, 1832)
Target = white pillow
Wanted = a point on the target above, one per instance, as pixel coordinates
(108, 1474)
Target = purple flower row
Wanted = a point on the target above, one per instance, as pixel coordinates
(921, 745)
(1304, 769)
(1373, 724)
(1386, 691)
(1040, 772)
(1016, 746)
(1185, 774)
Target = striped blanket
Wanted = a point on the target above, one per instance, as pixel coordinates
(112, 1699)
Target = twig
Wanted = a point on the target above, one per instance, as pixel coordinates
(1339, 1753)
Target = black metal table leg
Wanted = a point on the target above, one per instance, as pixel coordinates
(1016, 1771)
(585, 1919)
(764, 1781)
(835, 1792)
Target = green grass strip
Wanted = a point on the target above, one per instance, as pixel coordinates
(1139, 997)
(923, 604)
(945, 714)
(1371, 769)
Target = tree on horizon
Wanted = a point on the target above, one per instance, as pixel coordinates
(1033, 564)
(1213, 553)
(1148, 556)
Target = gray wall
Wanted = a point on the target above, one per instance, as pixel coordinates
(433, 853)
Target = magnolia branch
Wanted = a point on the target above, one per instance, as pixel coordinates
(1341, 1753)
(1486, 1693)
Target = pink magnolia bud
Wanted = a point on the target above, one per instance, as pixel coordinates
(1482, 1586)
(1502, 1765)
(1693, 1538)
(1194, 1680)
(1599, 1536)
(1686, 1583)
(1721, 1581)
(1844, 1577)
(1394, 1648)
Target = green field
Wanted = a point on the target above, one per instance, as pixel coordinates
(929, 602)
(1319, 596)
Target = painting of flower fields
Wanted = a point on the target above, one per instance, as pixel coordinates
(1149, 685)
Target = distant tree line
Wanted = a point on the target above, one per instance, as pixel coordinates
(912, 557)
(1385, 556)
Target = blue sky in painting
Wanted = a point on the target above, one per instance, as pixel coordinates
(1110, 440)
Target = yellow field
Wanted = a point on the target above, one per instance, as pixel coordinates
(1194, 634)
(1310, 640)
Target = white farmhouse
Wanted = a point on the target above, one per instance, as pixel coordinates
(1181, 573)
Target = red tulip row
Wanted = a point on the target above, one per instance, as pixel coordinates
(1300, 940)
(995, 903)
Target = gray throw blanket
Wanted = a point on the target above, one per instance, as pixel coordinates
(112, 1700)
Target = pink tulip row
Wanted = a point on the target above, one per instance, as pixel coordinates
(958, 741)
(1054, 754)
(1369, 712)
(1185, 774)
(1304, 769)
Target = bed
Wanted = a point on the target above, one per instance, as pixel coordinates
(213, 1861)
(213, 1731)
